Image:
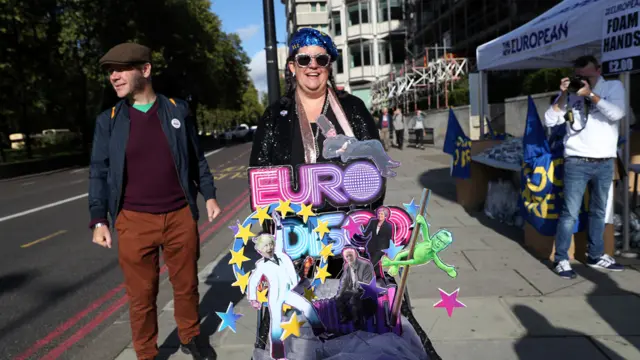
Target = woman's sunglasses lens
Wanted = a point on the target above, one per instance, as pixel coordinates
(322, 60)
(303, 60)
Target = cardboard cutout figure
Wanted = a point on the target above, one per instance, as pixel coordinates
(349, 148)
(281, 275)
(349, 300)
(426, 251)
(379, 230)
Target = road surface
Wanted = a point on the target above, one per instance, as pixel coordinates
(57, 288)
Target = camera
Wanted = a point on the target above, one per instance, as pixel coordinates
(575, 84)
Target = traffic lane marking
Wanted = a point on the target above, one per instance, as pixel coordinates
(64, 201)
(45, 238)
(240, 203)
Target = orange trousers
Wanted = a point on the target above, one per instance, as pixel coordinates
(141, 236)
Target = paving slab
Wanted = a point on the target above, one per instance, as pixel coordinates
(602, 283)
(482, 318)
(502, 259)
(618, 347)
(493, 283)
(521, 349)
(546, 281)
(597, 315)
(500, 242)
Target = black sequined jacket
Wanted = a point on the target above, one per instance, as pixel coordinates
(273, 143)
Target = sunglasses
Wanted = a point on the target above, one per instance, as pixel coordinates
(303, 60)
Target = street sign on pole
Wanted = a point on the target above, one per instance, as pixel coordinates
(621, 38)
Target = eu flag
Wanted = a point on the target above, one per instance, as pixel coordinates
(542, 173)
(458, 145)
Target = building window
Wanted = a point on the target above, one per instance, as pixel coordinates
(315, 7)
(367, 52)
(395, 9)
(383, 52)
(335, 23)
(360, 53)
(339, 64)
(397, 50)
(364, 12)
(354, 16)
(383, 10)
(358, 13)
(355, 55)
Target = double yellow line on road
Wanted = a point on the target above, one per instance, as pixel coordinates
(43, 239)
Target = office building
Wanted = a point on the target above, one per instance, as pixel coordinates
(369, 35)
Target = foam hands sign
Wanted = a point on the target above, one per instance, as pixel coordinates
(542, 174)
(458, 145)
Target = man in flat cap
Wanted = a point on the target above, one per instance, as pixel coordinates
(146, 170)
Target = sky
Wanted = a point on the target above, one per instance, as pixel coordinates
(245, 17)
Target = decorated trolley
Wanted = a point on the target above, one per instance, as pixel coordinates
(303, 274)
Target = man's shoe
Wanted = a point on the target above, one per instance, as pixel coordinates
(604, 262)
(564, 270)
(199, 350)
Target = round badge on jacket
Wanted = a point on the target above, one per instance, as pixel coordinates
(175, 123)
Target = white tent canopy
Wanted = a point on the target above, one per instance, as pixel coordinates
(565, 32)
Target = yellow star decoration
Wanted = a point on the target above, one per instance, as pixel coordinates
(286, 308)
(262, 296)
(327, 250)
(242, 282)
(322, 274)
(305, 212)
(244, 232)
(309, 294)
(322, 228)
(261, 214)
(237, 257)
(284, 207)
(291, 327)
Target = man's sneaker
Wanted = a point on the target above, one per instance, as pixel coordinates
(604, 262)
(564, 270)
(199, 349)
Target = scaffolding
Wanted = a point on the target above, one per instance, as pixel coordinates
(429, 77)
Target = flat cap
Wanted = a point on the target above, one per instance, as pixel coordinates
(125, 54)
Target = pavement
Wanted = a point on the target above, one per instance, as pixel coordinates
(58, 290)
(516, 308)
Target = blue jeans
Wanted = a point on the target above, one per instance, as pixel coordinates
(578, 173)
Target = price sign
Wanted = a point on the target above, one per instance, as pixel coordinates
(621, 38)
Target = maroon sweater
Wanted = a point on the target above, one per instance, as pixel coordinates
(151, 182)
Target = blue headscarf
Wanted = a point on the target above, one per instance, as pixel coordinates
(312, 37)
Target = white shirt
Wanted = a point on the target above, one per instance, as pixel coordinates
(282, 277)
(599, 139)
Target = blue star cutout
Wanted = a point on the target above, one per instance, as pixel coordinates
(234, 228)
(393, 249)
(228, 318)
(412, 208)
(371, 290)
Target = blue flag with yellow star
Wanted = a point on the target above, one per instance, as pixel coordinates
(542, 174)
(458, 145)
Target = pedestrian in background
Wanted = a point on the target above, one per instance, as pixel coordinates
(417, 124)
(146, 170)
(385, 126)
(398, 126)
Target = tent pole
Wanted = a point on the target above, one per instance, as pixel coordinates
(481, 80)
(625, 180)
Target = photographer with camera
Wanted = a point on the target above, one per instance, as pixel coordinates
(591, 107)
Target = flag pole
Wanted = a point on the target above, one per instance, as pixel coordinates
(397, 301)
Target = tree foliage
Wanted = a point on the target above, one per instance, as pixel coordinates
(49, 74)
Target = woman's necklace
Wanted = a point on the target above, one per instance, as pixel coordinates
(325, 107)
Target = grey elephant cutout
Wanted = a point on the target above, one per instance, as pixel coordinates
(349, 148)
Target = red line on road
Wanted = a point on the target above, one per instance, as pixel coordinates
(85, 330)
(103, 316)
(114, 292)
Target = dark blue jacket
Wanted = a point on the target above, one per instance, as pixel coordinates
(110, 137)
